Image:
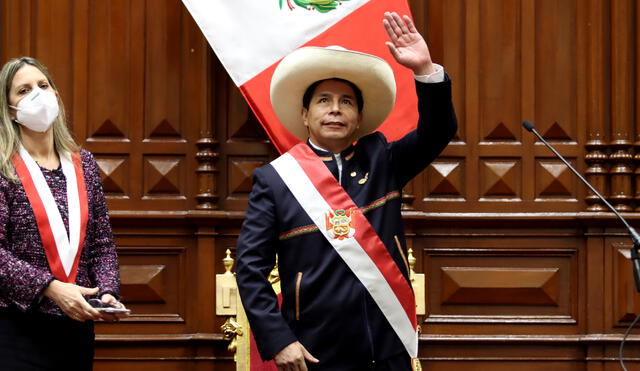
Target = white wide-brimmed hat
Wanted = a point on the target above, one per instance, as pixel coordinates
(304, 66)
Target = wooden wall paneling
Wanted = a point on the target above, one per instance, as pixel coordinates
(141, 107)
(583, 104)
(445, 181)
(77, 114)
(15, 20)
(596, 24)
(201, 300)
(622, 107)
(163, 353)
(244, 145)
(218, 103)
(503, 353)
(502, 364)
(163, 134)
(503, 286)
(471, 97)
(499, 285)
(160, 364)
(455, 57)
(162, 82)
(636, 119)
(153, 282)
(610, 357)
(52, 42)
(468, 337)
(499, 73)
(499, 84)
(554, 180)
(31, 28)
(509, 60)
(120, 69)
(112, 101)
(201, 87)
(164, 176)
(199, 117)
(555, 104)
(594, 292)
(529, 38)
(167, 280)
(207, 196)
(155, 270)
(622, 301)
(625, 300)
(421, 12)
(482, 87)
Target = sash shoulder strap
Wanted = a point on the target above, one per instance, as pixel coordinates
(62, 250)
(352, 236)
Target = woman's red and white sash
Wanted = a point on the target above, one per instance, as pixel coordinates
(320, 195)
(63, 251)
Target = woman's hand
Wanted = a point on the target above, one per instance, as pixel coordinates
(69, 298)
(112, 302)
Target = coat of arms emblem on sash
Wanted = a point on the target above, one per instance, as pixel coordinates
(340, 224)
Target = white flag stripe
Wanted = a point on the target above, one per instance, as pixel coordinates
(349, 250)
(248, 36)
(66, 252)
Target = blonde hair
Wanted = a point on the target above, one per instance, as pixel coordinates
(9, 131)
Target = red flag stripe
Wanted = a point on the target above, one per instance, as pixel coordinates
(369, 37)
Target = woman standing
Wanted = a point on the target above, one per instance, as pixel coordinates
(56, 245)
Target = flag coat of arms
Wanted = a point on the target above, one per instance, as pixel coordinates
(250, 37)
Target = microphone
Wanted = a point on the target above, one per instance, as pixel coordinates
(635, 237)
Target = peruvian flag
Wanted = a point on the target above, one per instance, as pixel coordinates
(250, 37)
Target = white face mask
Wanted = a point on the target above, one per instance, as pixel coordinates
(37, 110)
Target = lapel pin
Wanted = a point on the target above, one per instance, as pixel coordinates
(364, 180)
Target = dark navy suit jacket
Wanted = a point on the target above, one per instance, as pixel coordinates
(325, 306)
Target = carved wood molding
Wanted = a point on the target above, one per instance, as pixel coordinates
(206, 171)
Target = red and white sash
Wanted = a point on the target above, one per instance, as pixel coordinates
(320, 195)
(63, 251)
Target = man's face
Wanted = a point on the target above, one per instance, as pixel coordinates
(332, 117)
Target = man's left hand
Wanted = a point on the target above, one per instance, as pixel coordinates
(407, 45)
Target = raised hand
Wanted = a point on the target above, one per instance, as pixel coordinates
(407, 45)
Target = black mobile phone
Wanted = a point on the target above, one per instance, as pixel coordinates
(113, 310)
(106, 308)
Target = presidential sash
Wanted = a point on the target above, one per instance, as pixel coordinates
(352, 236)
(63, 251)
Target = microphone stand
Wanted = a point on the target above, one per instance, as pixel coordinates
(635, 237)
